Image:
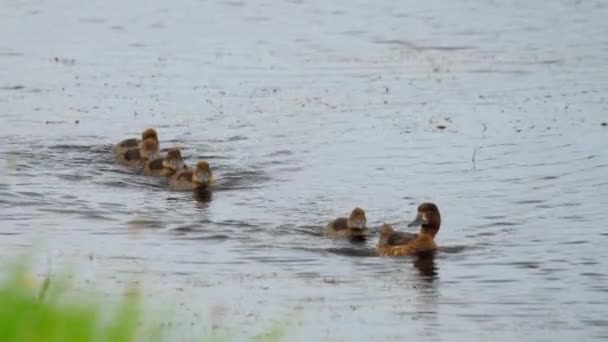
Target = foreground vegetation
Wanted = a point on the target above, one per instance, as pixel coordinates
(41, 312)
(45, 311)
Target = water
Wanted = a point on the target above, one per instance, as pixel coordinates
(305, 110)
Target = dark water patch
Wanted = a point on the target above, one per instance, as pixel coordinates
(242, 179)
(493, 217)
(14, 87)
(593, 274)
(349, 251)
(10, 233)
(527, 202)
(456, 249)
(17, 204)
(280, 153)
(596, 322)
(60, 211)
(92, 20)
(198, 237)
(235, 223)
(30, 194)
(576, 242)
(548, 178)
(416, 47)
(74, 177)
(500, 71)
(71, 148)
(110, 232)
(285, 260)
(540, 62)
(142, 223)
(185, 228)
(237, 138)
(306, 230)
(201, 237)
(576, 218)
(524, 264)
(91, 215)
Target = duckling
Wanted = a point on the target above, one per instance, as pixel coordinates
(392, 243)
(127, 144)
(353, 226)
(138, 156)
(198, 179)
(167, 166)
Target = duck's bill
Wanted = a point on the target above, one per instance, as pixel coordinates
(417, 222)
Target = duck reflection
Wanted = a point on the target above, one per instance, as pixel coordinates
(358, 240)
(202, 196)
(425, 263)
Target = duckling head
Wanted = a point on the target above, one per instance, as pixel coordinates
(202, 174)
(174, 160)
(357, 219)
(428, 218)
(149, 149)
(149, 133)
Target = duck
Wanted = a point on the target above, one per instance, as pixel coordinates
(199, 178)
(138, 156)
(353, 226)
(393, 243)
(167, 166)
(127, 144)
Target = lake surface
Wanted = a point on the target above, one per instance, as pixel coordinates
(306, 109)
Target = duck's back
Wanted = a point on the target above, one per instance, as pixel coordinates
(125, 145)
(130, 157)
(337, 227)
(155, 167)
(128, 143)
(182, 180)
(399, 244)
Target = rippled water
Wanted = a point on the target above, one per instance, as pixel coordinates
(306, 109)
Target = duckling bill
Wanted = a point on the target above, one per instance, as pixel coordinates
(392, 243)
(353, 226)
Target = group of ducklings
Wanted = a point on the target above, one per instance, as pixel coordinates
(144, 153)
(391, 242)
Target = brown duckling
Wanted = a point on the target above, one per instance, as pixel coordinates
(199, 178)
(128, 144)
(353, 226)
(394, 243)
(168, 166)
(138, 156)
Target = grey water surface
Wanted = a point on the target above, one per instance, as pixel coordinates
(305, 109)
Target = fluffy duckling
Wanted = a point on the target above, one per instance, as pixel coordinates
(353, 226)
(138, 156)
(198, 179)
(394, 243)
(128, 144)
(168, 166)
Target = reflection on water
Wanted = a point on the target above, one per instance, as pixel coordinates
(425, 263)
(493, 111)
(203, 197)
